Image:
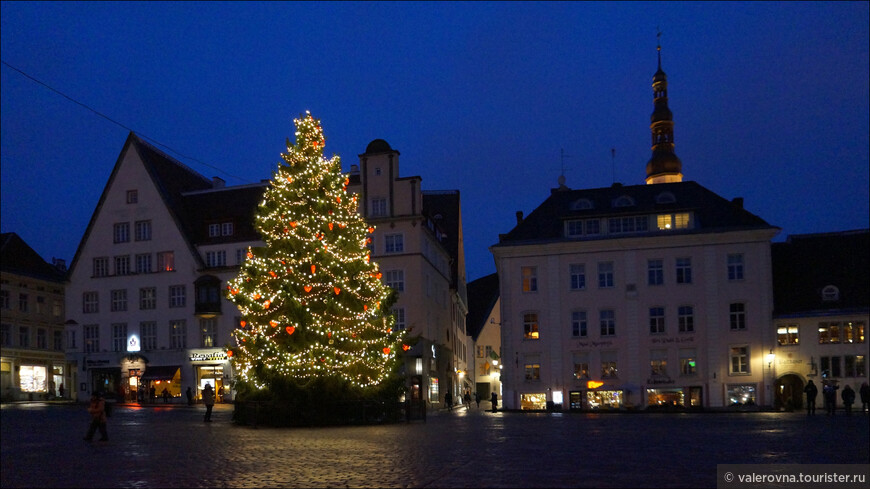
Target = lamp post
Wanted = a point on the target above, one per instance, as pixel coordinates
(770, 358)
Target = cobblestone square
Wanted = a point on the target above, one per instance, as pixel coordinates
(161, 446)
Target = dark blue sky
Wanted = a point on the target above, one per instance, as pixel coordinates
(770, 100)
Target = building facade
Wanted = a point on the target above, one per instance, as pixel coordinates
(417, 242)
(145, 304)
(31, 324)
(642, 296)
(484, 327)
(821, 311)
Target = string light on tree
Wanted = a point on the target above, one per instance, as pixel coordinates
(310, 299)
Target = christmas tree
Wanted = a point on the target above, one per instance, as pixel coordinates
(311, 300)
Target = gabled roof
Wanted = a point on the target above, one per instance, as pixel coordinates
(712, 213)
(482, 296)
(805, 264)
(17, 257)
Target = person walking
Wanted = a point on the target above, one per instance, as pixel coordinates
(812, 391)
(448, 401)
(60, 390)
(848, 396)
(208, 400)
(494, 400)
(97, 410)
(477, 399)
(189, 394)
(165, 395)
(865, 397)
(467, 399)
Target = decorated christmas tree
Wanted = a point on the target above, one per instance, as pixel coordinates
(311, 300)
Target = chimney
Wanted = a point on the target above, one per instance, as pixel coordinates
(519, 217)
(218, 182)
(738, 202)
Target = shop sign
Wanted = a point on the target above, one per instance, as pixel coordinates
(208, 357)
(133, 343)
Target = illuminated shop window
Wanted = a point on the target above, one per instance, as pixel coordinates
(33, 378)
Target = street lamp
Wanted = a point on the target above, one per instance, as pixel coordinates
(770, 357)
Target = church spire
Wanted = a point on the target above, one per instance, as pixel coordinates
(663, 166)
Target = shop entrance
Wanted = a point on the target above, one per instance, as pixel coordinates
(212, 375)
(788, 392)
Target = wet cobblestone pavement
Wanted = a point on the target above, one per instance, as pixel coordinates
(162, 446)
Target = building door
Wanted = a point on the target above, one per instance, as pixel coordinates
(788, 393)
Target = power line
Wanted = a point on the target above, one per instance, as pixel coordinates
(113, 121)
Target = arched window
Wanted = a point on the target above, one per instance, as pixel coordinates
(581, 204)
(665, 198)
(623, 201)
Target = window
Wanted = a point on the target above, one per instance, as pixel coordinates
(829, 332)
(40, 304)
(605, 274)
(92, 338)
(607, 321)
(735, 266)
(686, 319)
(208, 327)
(379, 207)
(177, 296)
(394, 243)
(177, 334)
(72, 340)
(592, 227)
(532, 365)
(656, 320)
(143, 263)
(667, 222)
(581, 365)
(143, 230)
(119, 336)
(741, 394)
(214, 230)
(739, 360)
(90, 302)
(853, 332)
(24, 337)
(609, 368)
(688, 361)
(623, 201)
(830, 367)
(101, 266)
(119, 300)
(581, 204)
(855, 366)
(684, 270)
(737, 316)
(631, 224)
(122, 232)
(658, 362)
(395, 279)
(132, 196)
(165, 261)
(399, 315)
(148, 331)
(23, 302)
(578, 324)
(240, 256)
(573, 228)
(530, 326)
(122, 265)
(665, 198)
(578, 276)
(58, 340)
(57, 308)
(148, 298)
(4, 299)
(5, 335)
(787, 334)
(216, 258)
(655, 272)
(42, 338)
(530, 279)
(226, 229)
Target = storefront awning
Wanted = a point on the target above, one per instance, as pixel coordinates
(160, 372)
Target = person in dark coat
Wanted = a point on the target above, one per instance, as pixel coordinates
(208, 400)
(865, 397)
(812, 391)
(448, 401)
(189, 397)
(494, 400)
(848, 396)
(97, 410)
(829, 392)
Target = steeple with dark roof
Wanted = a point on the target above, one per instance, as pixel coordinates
(663, 166)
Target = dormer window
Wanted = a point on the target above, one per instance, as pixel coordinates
(581, 204)
(665, 198)
(830, 293)
(623, 201)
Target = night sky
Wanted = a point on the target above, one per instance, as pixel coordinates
(770, 100)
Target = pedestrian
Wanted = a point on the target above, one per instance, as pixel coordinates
(60, 390)
(848, 396)
(165, 395)
(865, 397)
(208, 400)
(97, 410)
(494, 400)
(220, 394)
(477, 399)
(152, 394)
(812, 391)
(467, 399)
(448, 401)
(189, 397)
(829, 392)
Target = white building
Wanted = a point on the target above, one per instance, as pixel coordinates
(484, 326)
(144, 303)
(637, 296)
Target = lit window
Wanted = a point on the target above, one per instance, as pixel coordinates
(688, 361)
(177, 334)
(609, 368)
(165, 261)
(530, 279)
(530, 326)
(739, 359)
(787, 335)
